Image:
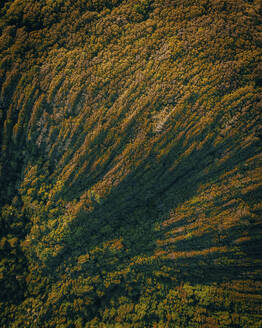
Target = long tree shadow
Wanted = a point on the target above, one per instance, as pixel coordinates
(144, 198)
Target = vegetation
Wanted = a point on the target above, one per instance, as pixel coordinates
(130, 165)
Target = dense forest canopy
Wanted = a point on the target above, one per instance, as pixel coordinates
(130, 166)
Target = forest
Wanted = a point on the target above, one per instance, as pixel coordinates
(130, 163)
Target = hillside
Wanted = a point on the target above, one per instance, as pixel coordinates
(130, 166)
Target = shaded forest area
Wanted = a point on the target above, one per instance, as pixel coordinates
(130, 167)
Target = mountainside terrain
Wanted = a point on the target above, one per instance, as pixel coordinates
(130, 167)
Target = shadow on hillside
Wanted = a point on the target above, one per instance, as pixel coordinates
(146, 197)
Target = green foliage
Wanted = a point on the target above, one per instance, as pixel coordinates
(130, 165)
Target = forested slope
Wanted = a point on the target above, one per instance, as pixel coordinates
(130, 166)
